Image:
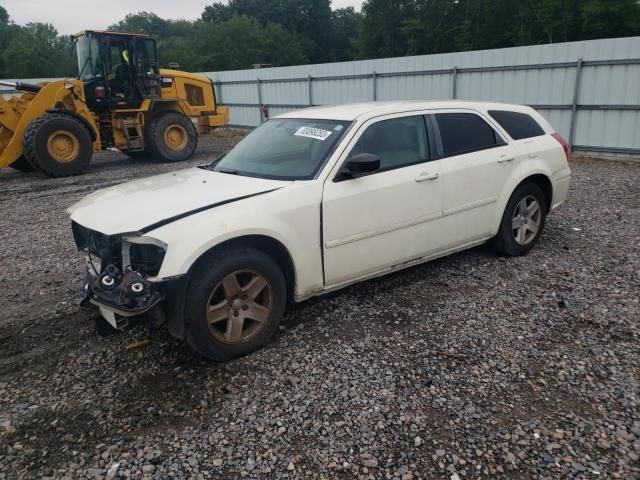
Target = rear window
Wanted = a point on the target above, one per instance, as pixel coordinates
(464, 133)
(517, 125)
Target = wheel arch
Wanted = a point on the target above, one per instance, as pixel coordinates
(77, 116)
(160, 107)
(544, 183)
(265, 244)
(538, 177)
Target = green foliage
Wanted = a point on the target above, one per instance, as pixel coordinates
(345, 23)
(239, 33)
(309, 19)
(4, 16)
(35, 50)
(411, 27)
(236, 43)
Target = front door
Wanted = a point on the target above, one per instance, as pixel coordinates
(120, 73)
(390, 216)
(147, 67)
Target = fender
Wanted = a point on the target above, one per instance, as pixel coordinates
(537, 168)
(77, 116)
(193, 236)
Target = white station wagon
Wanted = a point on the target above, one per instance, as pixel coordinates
(310, 202)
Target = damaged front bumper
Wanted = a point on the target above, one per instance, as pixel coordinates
(123, 295)
(126, 293)
(121, 280)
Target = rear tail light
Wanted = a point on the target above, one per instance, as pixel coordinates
(564, 144)
(100, 92)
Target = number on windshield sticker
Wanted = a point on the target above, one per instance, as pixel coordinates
(310, 132)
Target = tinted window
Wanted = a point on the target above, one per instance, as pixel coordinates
(517, 125)
(398, 142)
(465, 132)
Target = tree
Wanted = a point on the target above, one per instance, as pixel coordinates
(381, 33)
(344, 27)
(36, 50)
(309, 19)
(143, 22)
(217, 12)
(4, 16)
(289, 32)
(609, 18)
(433, 28)
(235, 44)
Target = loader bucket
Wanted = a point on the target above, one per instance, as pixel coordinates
(9, 120)
(17, 112)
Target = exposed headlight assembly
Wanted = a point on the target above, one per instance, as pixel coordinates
(143, 254)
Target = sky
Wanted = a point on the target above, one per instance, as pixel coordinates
(72, 16)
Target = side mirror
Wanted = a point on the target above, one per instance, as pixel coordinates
(359, 165)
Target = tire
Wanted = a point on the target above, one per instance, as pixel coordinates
(58, 145)
(510, 240)
(171, 137)
(233, 332)
(23, 165)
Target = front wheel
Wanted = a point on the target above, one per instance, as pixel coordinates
(58, 145)
(522, 222)
(171, 137)
(236, 300)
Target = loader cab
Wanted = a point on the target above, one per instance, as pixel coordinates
(119, 70)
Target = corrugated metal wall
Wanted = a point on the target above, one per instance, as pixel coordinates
(590, 91)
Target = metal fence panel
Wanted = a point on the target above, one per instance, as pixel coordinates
(590, 91)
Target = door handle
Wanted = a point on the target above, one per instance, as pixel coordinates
(426, 176)
(506, 160)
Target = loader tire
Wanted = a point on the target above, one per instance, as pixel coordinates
(23, 165)
(171, 137)
(58, 145)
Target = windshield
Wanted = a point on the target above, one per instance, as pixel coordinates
(89, 64)
(284, 149)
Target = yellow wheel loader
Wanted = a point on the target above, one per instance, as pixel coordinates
(121, 99)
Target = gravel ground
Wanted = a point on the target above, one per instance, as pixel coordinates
(471, 366)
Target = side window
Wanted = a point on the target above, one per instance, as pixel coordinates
(517, 125)
(463, 133)
(398, 142)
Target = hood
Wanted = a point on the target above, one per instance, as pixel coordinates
(148, 203)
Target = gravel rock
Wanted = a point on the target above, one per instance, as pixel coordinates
(471, 366)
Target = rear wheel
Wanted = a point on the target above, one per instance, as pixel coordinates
(171, 137)
(236, 300)
(522, 222)
(58, 145)
(23, 165)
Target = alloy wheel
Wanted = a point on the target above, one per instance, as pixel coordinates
(239, 306)
(526, 220)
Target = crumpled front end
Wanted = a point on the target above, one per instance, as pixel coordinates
(121, 274)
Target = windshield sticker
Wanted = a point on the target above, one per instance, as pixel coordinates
(310, 132)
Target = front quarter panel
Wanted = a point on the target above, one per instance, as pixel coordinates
(290, 215)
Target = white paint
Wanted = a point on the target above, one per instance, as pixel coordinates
(371, 225)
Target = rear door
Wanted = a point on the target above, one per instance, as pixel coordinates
(390, 216)
(476, 164)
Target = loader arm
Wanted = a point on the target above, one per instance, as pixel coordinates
(19, 111)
